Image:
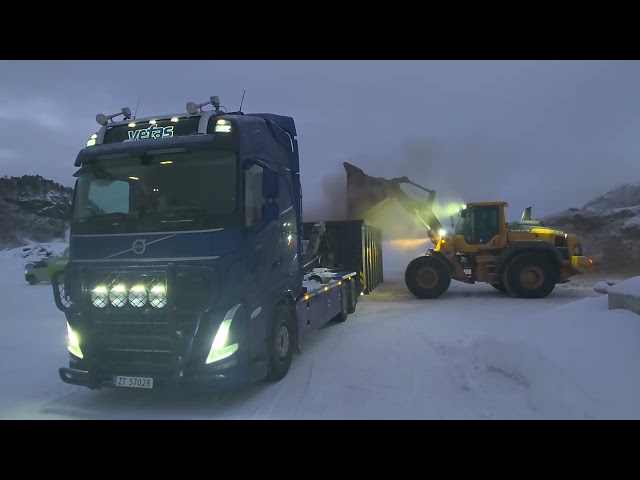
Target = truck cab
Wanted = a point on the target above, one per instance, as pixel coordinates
(185, 252)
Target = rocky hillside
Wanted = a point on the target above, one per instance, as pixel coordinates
(609, 225)
(33, 208)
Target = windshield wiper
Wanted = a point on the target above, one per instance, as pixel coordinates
(104, 216)
(177, 214)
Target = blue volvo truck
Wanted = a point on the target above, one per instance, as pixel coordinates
(187, 261)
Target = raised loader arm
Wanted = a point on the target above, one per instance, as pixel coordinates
(365, 192)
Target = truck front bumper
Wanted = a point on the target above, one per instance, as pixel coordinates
(228, 375)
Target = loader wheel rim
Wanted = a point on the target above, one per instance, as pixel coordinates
(427, 277)
(532, 277)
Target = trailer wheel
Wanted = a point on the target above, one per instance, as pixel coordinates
(530, 276)
(352, 296)
(427, 277)
(280, 344)
(344, 303)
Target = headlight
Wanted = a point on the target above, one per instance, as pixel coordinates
(158, 296)
(100, 296)
(138, 296)
(219, 348)
(73, 342)
(118, 295)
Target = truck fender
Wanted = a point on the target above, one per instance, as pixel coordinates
(530, 247)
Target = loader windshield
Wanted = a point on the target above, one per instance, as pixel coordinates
(479, 224)
(170, 192)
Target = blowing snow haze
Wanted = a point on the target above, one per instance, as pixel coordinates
(550, 134)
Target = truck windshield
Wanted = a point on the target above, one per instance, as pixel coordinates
(171, 192)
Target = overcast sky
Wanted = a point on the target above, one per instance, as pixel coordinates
(550, 134)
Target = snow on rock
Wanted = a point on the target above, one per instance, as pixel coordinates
(608, 225)
(621, 197)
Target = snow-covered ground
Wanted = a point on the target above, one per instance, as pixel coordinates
(472, 354)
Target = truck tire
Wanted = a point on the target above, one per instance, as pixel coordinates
(280, 344)
(530, 275)
(344, 303)
(427, 277)
(352, 295)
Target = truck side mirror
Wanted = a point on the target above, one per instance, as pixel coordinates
(270, 185)
(270, 192)
(270, 211)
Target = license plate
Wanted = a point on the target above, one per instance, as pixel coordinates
(133, 382)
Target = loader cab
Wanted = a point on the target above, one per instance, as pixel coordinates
(482, 223)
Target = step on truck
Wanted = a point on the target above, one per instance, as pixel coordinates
(186, 260)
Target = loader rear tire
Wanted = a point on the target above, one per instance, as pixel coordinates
(530, 275)
(427, 277)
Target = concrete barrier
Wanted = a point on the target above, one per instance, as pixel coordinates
(625, 295)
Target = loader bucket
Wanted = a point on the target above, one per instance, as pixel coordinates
(364, 192)
(367, 195)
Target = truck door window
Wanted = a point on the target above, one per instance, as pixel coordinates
(288, 226)
(253, 197)
(107, 196)
(286, 202)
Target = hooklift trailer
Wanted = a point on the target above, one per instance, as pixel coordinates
(186, 260)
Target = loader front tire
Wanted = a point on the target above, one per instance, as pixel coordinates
(427, 277)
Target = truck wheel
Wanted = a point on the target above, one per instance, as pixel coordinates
(280, 344)
(32, 279)
(344, 303)
(499, 287)
(530, 276)
(352, 295)
(427, 277)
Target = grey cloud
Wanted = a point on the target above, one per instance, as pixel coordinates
(551, 134)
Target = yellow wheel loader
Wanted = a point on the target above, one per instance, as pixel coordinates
(524, 259)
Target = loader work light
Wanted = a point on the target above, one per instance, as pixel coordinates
(219, 348)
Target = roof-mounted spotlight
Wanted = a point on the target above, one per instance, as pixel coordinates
(193, 108)
(103, 119)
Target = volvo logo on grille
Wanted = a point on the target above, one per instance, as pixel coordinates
(139, 246)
